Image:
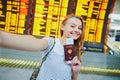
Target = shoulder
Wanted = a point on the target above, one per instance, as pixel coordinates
(48, 38)
(51, 41)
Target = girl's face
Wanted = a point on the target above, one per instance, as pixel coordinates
(72, 28)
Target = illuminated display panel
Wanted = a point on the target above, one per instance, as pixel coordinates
(48, 16)
(94, 11)
(2, 16)
(13, 15)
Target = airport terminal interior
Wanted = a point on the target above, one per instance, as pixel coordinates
(101, 59)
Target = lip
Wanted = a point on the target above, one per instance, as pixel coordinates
(75, 32)
(74, 35)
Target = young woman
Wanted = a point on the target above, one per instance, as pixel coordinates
(55, 66)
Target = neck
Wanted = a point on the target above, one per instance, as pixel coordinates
(63, 40)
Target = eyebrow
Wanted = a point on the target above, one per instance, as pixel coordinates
(75, 24)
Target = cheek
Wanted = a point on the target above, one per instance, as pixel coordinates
(66, 32)
(80, 31)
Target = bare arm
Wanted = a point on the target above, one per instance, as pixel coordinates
(75, 68)
(22, 42)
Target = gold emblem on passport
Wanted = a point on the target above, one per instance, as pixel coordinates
(69, 51)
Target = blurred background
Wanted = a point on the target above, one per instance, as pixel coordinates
(101, 60)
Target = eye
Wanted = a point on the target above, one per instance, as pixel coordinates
(80, 28)
(72, 26)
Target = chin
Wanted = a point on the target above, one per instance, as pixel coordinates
(75, 38)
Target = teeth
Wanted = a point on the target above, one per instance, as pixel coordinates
(74, 35)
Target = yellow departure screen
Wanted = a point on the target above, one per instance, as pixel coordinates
(48, 17)
(94, 11)
(13, 19)
(2, 17)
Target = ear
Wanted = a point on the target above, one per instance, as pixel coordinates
(62, 27)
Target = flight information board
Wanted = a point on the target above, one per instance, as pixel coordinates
(94, 12)
(13, 15)
(50, 13)
(48, 16)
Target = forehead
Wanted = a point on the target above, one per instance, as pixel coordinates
(74, 20)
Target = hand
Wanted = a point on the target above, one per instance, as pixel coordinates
(76, 64)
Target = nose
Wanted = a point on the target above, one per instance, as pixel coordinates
(78, 31)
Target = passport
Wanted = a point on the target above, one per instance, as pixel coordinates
(69, 52)
(69, 49)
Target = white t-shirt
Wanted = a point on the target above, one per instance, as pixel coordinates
(55, 68)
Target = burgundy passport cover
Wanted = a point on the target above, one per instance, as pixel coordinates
(69, 52)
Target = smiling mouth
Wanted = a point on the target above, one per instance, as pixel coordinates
(76, 34)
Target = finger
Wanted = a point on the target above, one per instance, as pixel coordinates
(76, 62)
(75, 58)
